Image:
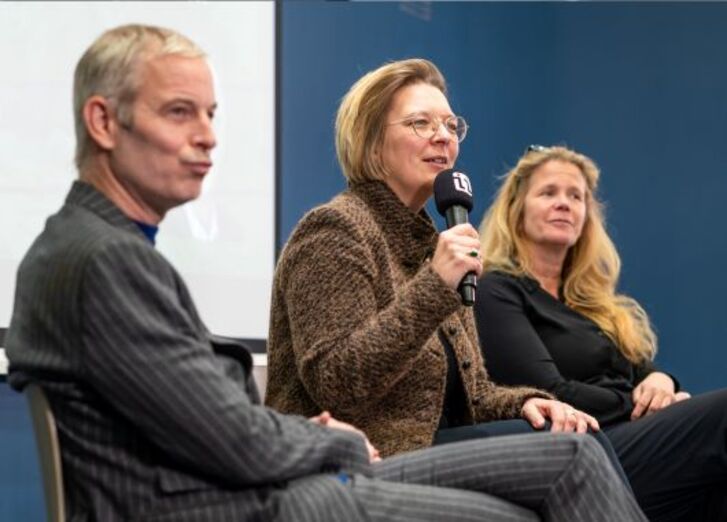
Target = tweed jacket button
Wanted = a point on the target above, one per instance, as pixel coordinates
(453, 330)
(466, 364)
(475, 402)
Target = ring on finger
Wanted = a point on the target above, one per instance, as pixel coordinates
(473, 253)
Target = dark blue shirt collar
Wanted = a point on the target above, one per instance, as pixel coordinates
(150, 231)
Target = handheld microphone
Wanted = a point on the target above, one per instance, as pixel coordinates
(453, 197)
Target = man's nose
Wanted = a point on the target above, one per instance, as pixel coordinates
(204, 136)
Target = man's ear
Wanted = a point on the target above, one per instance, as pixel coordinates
(101, 122)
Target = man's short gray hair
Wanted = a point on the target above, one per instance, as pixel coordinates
(110, 68)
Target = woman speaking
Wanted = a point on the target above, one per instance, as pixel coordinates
(366, 320)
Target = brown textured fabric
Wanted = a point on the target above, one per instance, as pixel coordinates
(354, 318)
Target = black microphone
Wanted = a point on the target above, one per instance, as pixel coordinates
(453, 197)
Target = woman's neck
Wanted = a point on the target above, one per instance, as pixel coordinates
(547, 267)
(414, 199)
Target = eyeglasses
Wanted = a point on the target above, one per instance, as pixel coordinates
(426, 126)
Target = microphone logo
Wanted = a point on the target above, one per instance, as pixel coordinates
(462, 183)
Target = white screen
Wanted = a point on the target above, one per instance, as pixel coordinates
(223, 243)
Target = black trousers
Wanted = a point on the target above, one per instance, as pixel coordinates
(515, 427)
(676, 459)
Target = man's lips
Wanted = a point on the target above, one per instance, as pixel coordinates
(199, 167)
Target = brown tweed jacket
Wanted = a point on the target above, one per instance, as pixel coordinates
(354, 319)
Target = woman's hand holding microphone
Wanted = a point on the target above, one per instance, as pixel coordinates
(457, 253)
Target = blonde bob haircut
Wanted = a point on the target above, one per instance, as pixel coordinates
(361, 118)
(592, 266)
(110, 67)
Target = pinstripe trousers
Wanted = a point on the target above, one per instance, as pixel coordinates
(547, 477)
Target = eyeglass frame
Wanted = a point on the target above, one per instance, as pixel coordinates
(409, 121)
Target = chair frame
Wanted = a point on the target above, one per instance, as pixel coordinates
(49, 452)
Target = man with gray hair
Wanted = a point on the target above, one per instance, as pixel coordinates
(157, 418)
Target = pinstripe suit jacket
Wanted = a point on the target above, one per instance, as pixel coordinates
(157, 419)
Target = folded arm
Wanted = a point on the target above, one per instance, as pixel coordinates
(147, 354)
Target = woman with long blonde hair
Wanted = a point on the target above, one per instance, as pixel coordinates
(549, 315)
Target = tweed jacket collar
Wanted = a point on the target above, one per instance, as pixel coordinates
(412, 237)
(88, 197)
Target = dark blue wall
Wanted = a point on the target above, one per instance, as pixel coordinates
(21, 494)
(640, 87)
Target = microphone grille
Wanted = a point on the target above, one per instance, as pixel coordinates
(452, 187)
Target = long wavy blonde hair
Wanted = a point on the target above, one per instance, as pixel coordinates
(592, 266)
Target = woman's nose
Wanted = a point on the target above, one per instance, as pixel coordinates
(441, 133)
(562, 202)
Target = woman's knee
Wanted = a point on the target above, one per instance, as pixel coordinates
(710, 407)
